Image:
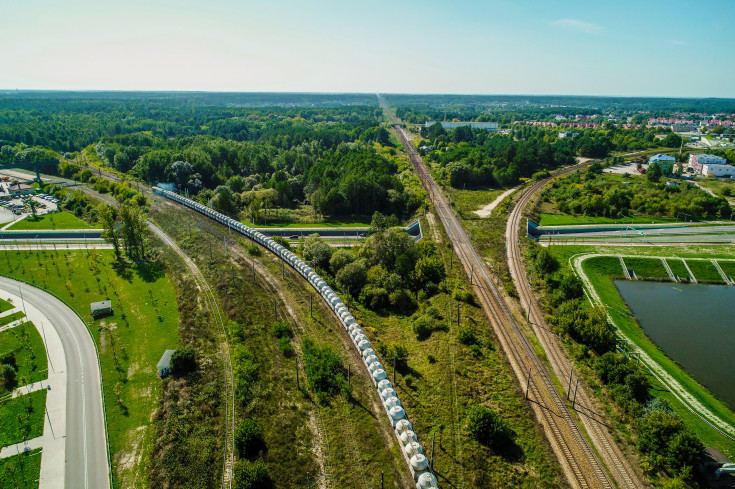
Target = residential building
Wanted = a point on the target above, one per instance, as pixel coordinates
(567, 134)
(696, 161)
(714, 170)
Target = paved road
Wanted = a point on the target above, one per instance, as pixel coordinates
(86, 464)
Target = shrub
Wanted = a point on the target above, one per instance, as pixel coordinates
(466, 336)
(253, 249)
(235, 330)
(431, 358)
(401, 301)
(376, 298)
(286, 347)
(281, 330)
(249, 439)
(487, 427)
(422, 328)
(340, 259)
(401, 355)
(183, 361)
(251, 475)
(9, 376)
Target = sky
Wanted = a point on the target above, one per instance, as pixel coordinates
(659, 48)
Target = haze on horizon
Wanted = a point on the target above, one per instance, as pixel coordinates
(625, 48)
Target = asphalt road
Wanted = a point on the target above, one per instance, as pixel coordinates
(86, 444)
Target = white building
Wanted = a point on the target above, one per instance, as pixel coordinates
(661, 158)
(714, 170)
(490, 126)
(696, 161)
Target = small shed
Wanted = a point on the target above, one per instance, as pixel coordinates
(164, 365)
(101, 309)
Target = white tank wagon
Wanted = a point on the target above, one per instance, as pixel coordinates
(411, 449)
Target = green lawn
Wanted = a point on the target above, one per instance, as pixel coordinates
(21, 471)
(647, 268)
(5, 306)
(569, 220)
(11, 317)
(57, 220)
(25, 344)
(131, 342)
(22, 418)
(728, 267)
(704, 271)
(597, 271)
(678, 268)
(717, 186)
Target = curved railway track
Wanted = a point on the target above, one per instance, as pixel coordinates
(619, 466)
(579, 462)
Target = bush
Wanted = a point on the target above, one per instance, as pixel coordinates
(251, 475)
(286, 347)
(340, 259)
(323, 369)
(253, 249)
(422, 328)
(375, 298)
(183, 361)
(281, 330)
(401, 301)
(466, 336)
(249, 439)
(431, 358)
(487, 427)
(401, 355)
(9, 376)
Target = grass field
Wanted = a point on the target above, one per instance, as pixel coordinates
(57, 220)
(569, 220)
(717, 186)
(678, 268)
(467, 201)
(303, 436)
(704, 271)
(728, 268)
(22, 418)
(26, 345)
(647, 268)
(131, 342)
(5, 305)
(21, 471)
(598, 271)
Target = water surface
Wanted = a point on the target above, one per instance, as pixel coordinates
(693, 323)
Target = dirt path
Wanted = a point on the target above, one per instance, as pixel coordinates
(488, 209)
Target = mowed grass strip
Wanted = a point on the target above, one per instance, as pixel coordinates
(705, 272)
(647, 268)
(25, 344)
(130, 342)
(21, 418)
(5, 305)
(570, 220)
(11, 317)
(21, 471)
(56, 220)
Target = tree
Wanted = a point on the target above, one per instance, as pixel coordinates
(654, 173)
(254, 208)
(487, 427)
(111, 233)
(9, 375)
(133, 231)
(181, 170)
(545, 263)
(353, 276)
(249, 439)
(672, 140)
(183, 361)
(340, 258)
(30, 204)
(316, 252)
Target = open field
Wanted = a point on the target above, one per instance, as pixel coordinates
(26, 345)
(30, 408)
(601, 271)
(718, 185)
(130, 342)
(21, 471)
(57, 220)
(467, 201)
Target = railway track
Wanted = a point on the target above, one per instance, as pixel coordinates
(578, 461)
(621, 470)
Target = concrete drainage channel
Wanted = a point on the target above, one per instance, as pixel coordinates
(411, 449)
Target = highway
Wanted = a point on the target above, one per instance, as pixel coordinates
(85, 440)
(577, 458)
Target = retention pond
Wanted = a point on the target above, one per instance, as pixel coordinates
(694, 324)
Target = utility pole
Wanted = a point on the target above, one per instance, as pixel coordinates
(528, 382)
(275, 310)
(394, 368)
(575, 394)
(211, 258)
(298, 385)
(458, 313)
(433, 438)
(349, 373)
(253, 270)
(569, 388)
(225, 245)
(311, 305)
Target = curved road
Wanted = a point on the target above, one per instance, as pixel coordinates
(86, 465)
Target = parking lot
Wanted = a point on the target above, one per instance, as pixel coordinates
(13, 209)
